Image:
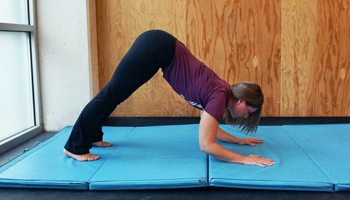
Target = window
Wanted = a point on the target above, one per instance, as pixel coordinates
(20, 116)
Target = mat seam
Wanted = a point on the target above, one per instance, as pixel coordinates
(199, 179)
(303, 149)
(124, 140)
(208, 167)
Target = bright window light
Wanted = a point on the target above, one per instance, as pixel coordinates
(14, 11)
(16, 102)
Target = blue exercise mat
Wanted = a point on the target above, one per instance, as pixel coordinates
(155, 157)
(308, 157)
(149, 157)
(45, 166)
(294, 170)
(329, 147)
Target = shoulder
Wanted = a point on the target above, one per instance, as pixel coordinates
(218, 88)
(217, 103)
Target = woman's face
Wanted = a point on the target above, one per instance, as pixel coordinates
(240, 109)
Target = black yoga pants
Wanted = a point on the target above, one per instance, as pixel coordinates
(152, 50)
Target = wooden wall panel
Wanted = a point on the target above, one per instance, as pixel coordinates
(211, 35)
(240, 41)
(315, 58)
(93, 48)
(119, 23)
(297, 50)
(297, 46)
(258, 48)
(331, 80)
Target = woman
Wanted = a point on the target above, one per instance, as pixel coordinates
(240, 104)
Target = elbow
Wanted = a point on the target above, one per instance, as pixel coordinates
(204, 147)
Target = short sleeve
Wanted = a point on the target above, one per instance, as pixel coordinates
(216, 105)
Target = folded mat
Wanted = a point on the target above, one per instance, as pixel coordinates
(142, 157)
(329, 147)
(294, 170)
(310, 157)
(155, 157)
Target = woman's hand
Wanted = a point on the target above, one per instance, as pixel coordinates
(208, 130)
(257, 160)
(250, 141)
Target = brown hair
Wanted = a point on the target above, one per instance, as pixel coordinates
(252, 94)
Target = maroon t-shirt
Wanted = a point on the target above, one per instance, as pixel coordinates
(197, 83)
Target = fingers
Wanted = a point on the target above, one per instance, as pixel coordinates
(260, 161)
(266, 161)
(251, 144)
(256, 140)
(253, 141)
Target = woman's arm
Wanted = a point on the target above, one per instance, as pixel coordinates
(208, 129)
(226, 137)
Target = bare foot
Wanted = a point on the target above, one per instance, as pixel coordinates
(84, 157)
(102, 144)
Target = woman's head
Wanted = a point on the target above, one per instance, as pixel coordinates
(245, 106)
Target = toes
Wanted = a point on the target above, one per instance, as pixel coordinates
(91, 157)
(102, 144)
(84, 157)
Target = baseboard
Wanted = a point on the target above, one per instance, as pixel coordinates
(148, 121)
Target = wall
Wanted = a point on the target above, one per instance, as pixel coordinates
(239, 40)
(64, 60)
(297, 50)
(315, 63)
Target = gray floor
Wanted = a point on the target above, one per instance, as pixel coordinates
(20, 149)
(198, 193)
(183, 194)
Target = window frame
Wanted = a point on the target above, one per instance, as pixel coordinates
(31, 30)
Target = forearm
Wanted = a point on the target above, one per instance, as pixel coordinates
(208, 130)
(225, 137)
(221, 153)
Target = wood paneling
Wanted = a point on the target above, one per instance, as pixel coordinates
(240, 41)
(329, 94)
(258, 49)
(119, 23)
(297, 50)
(211, 35)
(315, 58)
(93, 49)
(298, 39)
